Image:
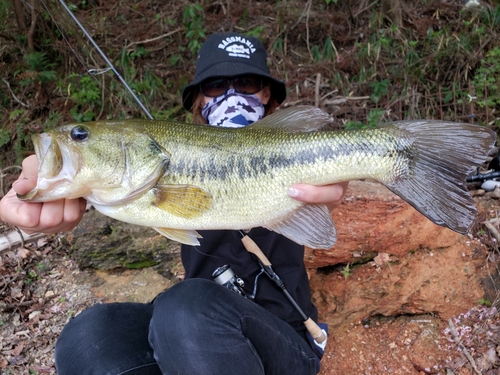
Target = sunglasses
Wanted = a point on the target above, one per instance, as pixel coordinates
(247, 84)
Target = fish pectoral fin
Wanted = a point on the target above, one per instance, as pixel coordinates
(188, 237)
(310, 225)
(297, 119)
(186, 201)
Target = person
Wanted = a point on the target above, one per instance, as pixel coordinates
(198, 326)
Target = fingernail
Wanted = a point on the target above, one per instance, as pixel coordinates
(293, 193)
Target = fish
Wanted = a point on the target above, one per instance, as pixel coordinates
(180, 178)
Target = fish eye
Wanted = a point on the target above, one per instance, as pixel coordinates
(79, 133)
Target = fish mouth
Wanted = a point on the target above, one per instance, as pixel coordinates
(55, 171)
(49, 155)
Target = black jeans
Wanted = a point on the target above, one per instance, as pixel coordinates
(195, 327)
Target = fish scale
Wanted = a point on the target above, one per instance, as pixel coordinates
(179, 178)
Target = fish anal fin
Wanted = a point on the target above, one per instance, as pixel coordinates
(186, 201)
(310, 225)
(188, 237)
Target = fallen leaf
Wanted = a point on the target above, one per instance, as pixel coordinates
(22, 253)
(18, 349)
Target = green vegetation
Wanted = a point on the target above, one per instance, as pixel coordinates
(193, 22)
(435, 62)
(346, 271)
(484, 302)
(85, 93)
(487, 81)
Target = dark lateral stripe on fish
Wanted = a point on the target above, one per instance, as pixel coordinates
(254, 166)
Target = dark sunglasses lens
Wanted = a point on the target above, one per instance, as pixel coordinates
(214, 87)
(248, 84)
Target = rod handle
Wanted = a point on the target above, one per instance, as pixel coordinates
(310, 324)
(253, 248)
(315, 331)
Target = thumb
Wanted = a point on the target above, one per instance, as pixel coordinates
(24, 184)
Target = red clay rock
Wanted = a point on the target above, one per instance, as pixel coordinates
(446, 282)
(422, 268)
(372, 219)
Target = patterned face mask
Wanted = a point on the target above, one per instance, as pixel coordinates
(233, 110)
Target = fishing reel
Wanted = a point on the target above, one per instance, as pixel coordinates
(226, 277)
(490, 179)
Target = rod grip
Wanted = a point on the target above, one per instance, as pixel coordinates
(315, 330)
(310, 324)
(253, 248)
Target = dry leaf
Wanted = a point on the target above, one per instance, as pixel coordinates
(16, 292)
(18, 349)
(22, 253)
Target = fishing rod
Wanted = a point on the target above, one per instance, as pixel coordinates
(110, 64)
(483, 177)
(316, 332)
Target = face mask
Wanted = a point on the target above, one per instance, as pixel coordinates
(233, 110)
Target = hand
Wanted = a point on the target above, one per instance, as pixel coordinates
(49, 217)
(331, 195)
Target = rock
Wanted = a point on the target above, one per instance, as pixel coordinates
(446, 282)
(371, 220)
(417, 268)
(104, 243)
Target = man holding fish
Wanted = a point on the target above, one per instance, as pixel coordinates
(197, 326)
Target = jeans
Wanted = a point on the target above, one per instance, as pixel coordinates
(195, 327)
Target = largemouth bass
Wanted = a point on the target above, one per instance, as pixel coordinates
(179, 178)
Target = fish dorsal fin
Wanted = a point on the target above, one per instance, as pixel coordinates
(295, 119)
(188, 237)
(310, 225)
(186, 201)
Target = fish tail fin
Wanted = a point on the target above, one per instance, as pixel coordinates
(442, 155)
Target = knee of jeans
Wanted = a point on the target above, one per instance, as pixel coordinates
(188, 305)
(185, 295)
(76, 330)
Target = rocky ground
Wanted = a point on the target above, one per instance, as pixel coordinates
(430, 310)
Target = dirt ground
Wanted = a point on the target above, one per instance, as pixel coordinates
(41, 288)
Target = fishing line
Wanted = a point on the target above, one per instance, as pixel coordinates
(91, 72)
(110, 64)
(208, 255)
(95, 72)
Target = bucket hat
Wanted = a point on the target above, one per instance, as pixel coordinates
(229, 55)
